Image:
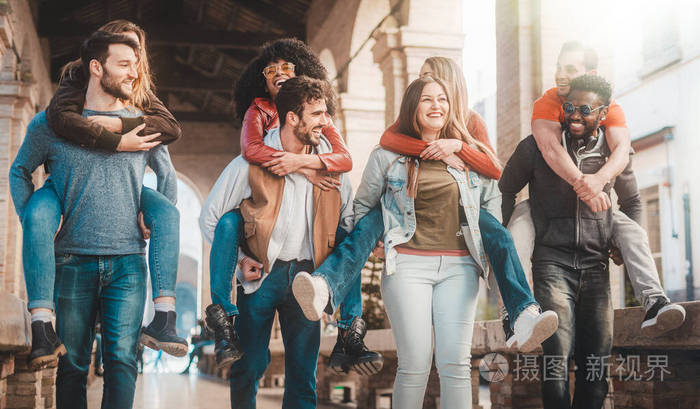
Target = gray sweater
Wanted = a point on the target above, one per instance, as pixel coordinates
(99, 191)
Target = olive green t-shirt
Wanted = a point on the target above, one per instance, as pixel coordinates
(438, 213)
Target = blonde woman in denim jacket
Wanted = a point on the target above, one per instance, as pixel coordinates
(434, 253)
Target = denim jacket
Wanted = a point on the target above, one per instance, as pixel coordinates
(384, 181)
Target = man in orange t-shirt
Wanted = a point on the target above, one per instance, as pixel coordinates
(628, 236)
(547, 115)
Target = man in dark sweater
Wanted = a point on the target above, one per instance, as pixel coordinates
(100, 263)
(572, 244)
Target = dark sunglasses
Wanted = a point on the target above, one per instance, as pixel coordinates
(584, 110)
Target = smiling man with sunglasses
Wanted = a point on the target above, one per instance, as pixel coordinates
(570, 258)
(572, 243)
(629, 239)
(574, 61)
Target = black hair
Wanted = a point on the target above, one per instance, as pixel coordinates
(96, 47)
(593, 83)
(251, 83)
(297, 91)
(590, 56)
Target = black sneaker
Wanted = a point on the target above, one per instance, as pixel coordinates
(510, 335)
(226, 347)
(662, 317)
(350, 351)
(46, 346)
(160, 334)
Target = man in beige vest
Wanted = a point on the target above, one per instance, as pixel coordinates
(290, 226)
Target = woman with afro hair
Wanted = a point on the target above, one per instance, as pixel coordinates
(254, 98)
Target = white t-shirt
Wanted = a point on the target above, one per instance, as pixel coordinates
(292, 229)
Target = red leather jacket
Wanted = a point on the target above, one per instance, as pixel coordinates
(262, 116)
(477, 160)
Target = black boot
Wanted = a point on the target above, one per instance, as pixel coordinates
(46, 346)
(339, 361)
(226, 345)
(510, 335)
(161, 334)
(350, 351)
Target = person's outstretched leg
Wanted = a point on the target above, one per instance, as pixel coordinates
(163, 219)
(531, 327)
(339, 280)
(222, 266)
(633, 243)
(336, 278)
(41, 220)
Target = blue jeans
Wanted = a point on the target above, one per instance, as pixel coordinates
(115, 288)
(39, 225)
(350, 254)
(342, 269)
(41, 220)
(163, 218)
(301, 339)
(581, 299)
(223, 259)
(509, 274)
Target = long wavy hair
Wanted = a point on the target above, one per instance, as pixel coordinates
(450, 73)
(408, 113)
(453, 128)
(251, 84)
(143, 84)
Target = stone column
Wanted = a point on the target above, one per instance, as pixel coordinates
(363, 123)
(518, 72)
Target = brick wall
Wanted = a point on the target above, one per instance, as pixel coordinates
(25, 87)
(31, 389)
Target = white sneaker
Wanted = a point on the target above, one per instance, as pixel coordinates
(311, 293)
(662, 317)
(532, 327)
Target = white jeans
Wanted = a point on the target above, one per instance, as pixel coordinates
(426, 293)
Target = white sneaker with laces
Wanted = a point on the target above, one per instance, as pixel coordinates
(312, 294)
(532, 327)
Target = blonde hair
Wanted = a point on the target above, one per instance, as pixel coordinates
(143, 84)
(455, 86)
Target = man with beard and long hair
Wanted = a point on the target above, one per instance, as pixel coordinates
(100, 263)
(42, 214)
(290, 226)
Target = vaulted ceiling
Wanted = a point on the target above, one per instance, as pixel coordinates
(197, 48)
